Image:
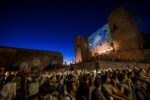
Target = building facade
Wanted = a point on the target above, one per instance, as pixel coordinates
(81, 48)
(34, 58)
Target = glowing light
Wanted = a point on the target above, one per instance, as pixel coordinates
(105, 51)
(69, 62)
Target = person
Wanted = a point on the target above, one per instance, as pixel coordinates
(8, 91)
(83, 89)
(139, 92)
(126, 84)
(147, 73)
(91, 86)
(97, 93)
(44, 89)
(110, 93)
(63, 92)
(33, 89)
(71, 89)
(53, 86)
(2, 79)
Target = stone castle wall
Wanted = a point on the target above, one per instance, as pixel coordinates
(14, 56)
(128, 42)
(110, 64)
(124, 31)
(81, 49)
(135, 55)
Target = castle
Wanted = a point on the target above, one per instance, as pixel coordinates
(127, 41)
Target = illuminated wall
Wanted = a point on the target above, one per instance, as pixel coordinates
(81, 49)
(100, 41)
(120, 35)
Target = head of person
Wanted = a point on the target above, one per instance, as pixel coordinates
(9, 79)
(46, 79)
(123, 77)
(97, 82)
(53, 79)
(106, 79)
(64, 87)
(71, 86)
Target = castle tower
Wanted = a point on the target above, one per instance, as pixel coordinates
(125, 34)
(81, 49)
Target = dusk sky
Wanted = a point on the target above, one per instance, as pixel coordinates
(53, 24)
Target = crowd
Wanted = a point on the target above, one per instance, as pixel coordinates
(101, 84)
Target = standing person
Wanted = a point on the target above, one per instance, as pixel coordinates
(97, 66)
(8, 91)
(22, 87)
(33, 89)
(83, 89)
(2, 79)
(63, 93)
(44, 88)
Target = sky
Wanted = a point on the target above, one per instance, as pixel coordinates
(53, 24)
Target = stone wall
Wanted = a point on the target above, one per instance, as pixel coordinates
(146, 55)
(127, 40)
(17, 56)
(81, 49)
(135, 55)
(110, 64)
(7, 56)
(124, 31)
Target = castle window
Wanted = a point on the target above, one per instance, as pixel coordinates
(114, 28)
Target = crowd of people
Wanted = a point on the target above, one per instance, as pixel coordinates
(101, 84)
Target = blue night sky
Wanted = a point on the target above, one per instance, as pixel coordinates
(53, 24)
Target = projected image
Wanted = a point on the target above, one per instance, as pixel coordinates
(101, 36)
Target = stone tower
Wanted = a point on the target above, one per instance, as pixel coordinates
(81, 49)
(125, 34)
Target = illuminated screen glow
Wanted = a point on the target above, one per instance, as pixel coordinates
(101, 36)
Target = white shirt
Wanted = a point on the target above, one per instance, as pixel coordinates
(8, 91)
